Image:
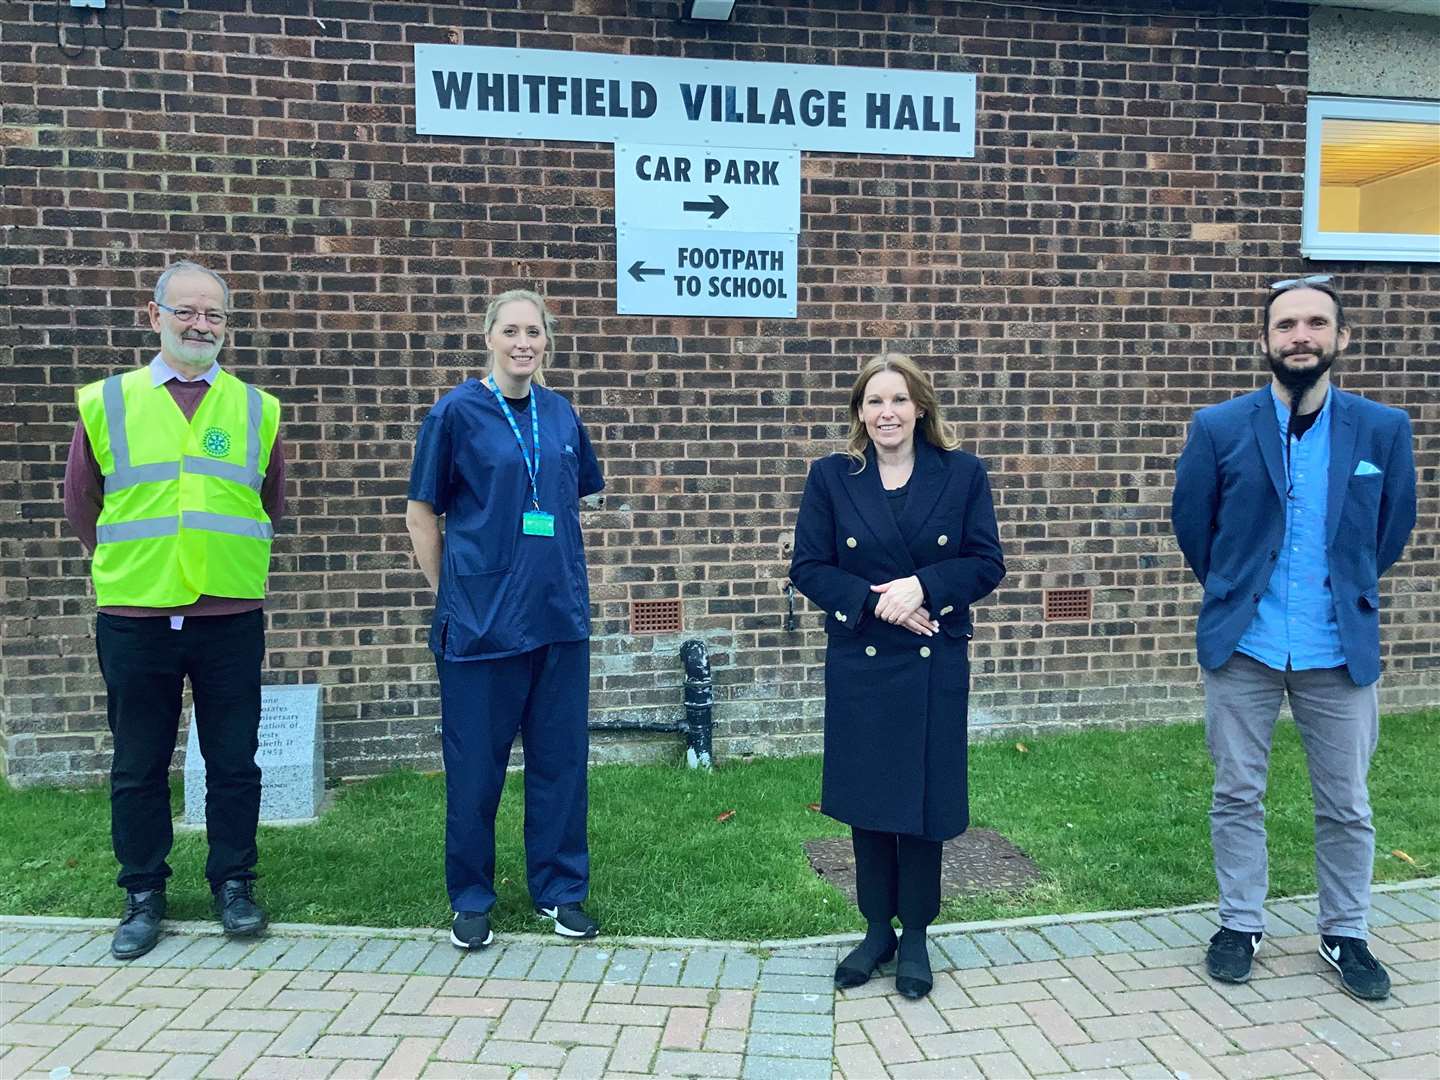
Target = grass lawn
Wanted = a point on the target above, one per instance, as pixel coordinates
(1116, 819)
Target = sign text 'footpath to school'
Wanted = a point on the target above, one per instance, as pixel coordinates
(673, 272)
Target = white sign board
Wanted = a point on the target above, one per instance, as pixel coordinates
(731, 275)
(485, 91)
(696, 187)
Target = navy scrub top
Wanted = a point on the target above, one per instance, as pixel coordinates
(502, 592)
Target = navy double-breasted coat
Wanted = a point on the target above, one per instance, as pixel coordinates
(895, 701)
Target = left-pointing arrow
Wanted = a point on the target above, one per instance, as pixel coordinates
(639, 271)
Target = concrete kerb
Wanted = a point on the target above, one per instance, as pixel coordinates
(1026, 921)
(210, 928)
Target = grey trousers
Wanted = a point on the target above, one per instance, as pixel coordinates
(1339, 725)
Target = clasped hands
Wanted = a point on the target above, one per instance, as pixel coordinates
(901, 603)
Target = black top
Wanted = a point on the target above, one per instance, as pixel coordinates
(1303, 422)
(896, 498)
(519, 404)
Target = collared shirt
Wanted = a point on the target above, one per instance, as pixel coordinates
(161, 372)
(1294, 626)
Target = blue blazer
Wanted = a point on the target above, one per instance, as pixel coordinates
(1228, 515)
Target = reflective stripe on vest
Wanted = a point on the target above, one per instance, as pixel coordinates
(127, 475)
(149, 528)
(112, 394)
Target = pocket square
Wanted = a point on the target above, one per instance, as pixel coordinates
(1366, 469)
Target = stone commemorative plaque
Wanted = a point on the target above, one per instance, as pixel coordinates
(291, 757)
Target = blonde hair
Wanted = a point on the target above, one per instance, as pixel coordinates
(930, 423)
(492, 313)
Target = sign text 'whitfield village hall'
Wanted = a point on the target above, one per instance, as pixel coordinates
(707, 152)
(598, 97)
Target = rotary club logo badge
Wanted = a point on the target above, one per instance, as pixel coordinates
(215, 442)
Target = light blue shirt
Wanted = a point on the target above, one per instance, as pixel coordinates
(161, 372)
(1294, 625)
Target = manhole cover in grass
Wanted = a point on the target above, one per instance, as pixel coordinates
(976, 861)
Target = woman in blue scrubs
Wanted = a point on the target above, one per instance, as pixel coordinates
(505, 462)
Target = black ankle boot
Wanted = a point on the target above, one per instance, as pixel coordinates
(912, 971)
(877, 948)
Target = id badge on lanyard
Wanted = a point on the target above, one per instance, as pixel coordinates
(534, 522)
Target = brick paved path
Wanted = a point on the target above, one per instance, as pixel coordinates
(1119, 997)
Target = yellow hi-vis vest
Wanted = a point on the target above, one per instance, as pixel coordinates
(182, 513)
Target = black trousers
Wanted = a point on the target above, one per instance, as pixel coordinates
(896, 874)
(145, 664)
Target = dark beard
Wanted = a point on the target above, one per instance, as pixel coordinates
(1299, 381)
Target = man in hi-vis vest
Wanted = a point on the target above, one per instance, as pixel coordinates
(174, 482)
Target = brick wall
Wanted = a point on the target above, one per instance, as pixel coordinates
(1079, 288)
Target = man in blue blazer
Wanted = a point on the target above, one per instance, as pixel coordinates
(1289, 504)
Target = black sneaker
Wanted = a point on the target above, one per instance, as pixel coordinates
(1360, 973)
(471, 930)
(139, 927)
(570, 920)
(240, 915)
(1230, 953)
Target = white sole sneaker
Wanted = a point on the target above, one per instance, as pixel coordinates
(489, 937)
(552, 915)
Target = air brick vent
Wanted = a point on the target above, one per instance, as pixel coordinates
(654, 616)
(1067, 605)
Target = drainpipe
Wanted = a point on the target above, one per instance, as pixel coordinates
(699, 723)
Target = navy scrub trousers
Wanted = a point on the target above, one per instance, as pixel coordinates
(545, 695)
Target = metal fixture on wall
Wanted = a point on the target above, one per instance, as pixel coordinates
(709, 10)
(80, 21)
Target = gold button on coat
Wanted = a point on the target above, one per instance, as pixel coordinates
(925, 650)
(869, 650)
(947, 609)
(850, 541)
(840, 615)
(942, 540)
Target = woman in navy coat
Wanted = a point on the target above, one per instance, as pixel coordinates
(506, 461)
(895, 540)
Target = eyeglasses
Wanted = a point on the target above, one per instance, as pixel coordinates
(1302, 282)
(190, 314)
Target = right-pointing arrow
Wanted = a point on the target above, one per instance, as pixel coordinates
(639, 271)
(714, 204)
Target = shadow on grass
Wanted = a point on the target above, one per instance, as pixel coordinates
(1115, 819)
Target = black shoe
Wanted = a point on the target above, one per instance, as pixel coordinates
(471, 930)
(1230, 953)
(912, 971)
(139, 927)
(239, 914)
(570, 920)
(865, 959)
(1360, 973)
(913, 979)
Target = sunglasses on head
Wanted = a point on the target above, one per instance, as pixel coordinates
(1301, 282)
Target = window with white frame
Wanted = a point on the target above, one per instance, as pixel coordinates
(1372, 180)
